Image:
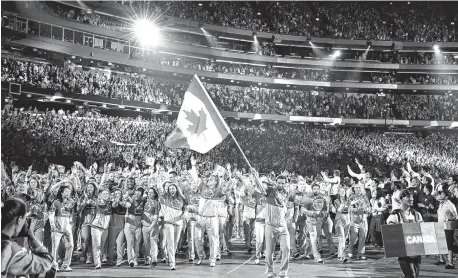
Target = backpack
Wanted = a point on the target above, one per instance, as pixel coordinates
(400, 216)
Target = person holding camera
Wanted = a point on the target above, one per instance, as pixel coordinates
(15, 259)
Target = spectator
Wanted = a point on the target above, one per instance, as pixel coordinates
(447, 216)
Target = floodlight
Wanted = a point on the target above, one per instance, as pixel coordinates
(146, 33)
(436, 48)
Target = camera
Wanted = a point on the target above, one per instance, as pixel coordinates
(25, 230)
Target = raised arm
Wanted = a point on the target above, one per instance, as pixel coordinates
(412, 172)
(353, 174)
(360, 166)
(193, 171)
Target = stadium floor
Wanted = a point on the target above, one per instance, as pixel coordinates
(241, 264)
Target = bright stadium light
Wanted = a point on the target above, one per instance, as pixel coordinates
(335, 55)
(436, 48)
(146, 33)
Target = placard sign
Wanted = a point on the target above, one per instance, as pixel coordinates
(414, 239)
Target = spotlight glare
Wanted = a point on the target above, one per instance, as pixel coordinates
(337, 53)
(436, 48)
(146, 33)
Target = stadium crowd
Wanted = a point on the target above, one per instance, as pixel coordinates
(78, 15)
(57, 133)
(155, 198)
(264, 48)
(378, 21)
(118, 191)
(234, 98)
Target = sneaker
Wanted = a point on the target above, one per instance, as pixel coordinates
(296, 255)
(172, 268)
(361, 258)
(154, 264)
(226, 253)
(118, 264)
(164, 260)
(212, 264)
(148, 260)
(131, 263)
(271, 275)
(304, 256)
(320, 261)
(98, 267)
(439, 263)
(449, 266)
(218, 258)
(350, 255)
(199, 261)
(66, 269)
(88, 261)
(104, 258)
(135, 263)
(256, 261)
(191, 260)
(263, 255)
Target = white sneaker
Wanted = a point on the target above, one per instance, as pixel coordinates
(212, 264)
(256, 261)
(319, 260)
(135, 263)
(199, 261)
(172, 268)
(104, 258)
(67, 269)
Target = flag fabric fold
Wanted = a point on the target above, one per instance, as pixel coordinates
(199, 125)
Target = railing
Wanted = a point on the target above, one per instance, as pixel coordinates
(35, 27)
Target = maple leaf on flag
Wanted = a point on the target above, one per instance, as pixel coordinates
(198, 122)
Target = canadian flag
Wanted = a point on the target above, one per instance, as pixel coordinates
(200, 126)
